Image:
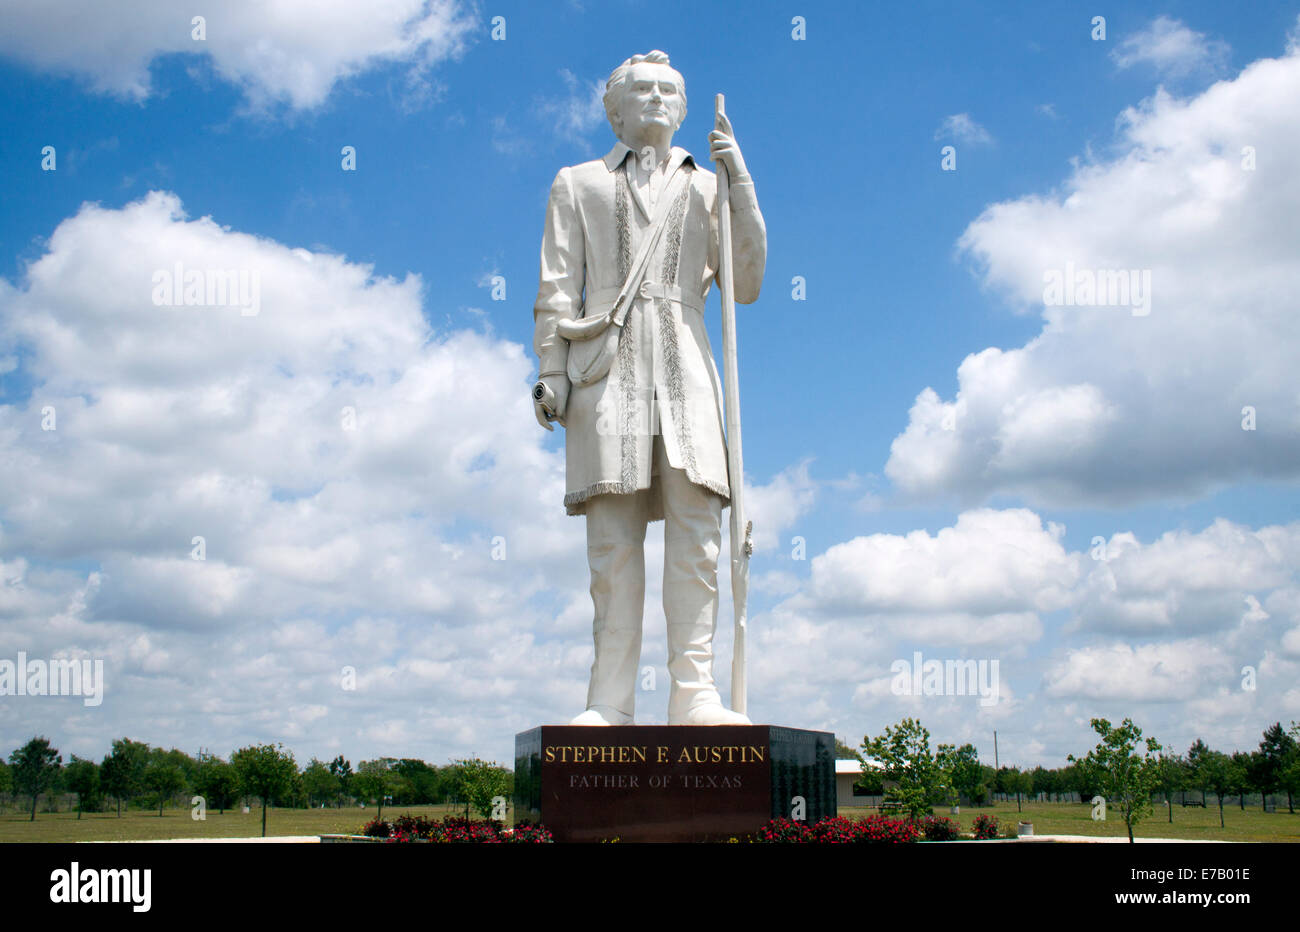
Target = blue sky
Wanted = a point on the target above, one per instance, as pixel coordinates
(1066, 423)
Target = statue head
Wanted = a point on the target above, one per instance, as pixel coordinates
(645, 94)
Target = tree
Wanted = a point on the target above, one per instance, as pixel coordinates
(481, 782)
(964, 771)
(35, 768)
(1257, 773)
(1125, 778)
(318, 782)
(6, 778)
(1275, 751)
(1247, 765)
(1172, 777)
(372, 782)
(1195, 754)
(420, 781)
(82, 778)
(1220, 773)
(1288, 777)
(163, 779)
(1024, 784)
(342, 772)
(266, 771)
(872, 780)
(122, 772)
(217, 782)
(1043, 782)
(916, 776)
(844, 752)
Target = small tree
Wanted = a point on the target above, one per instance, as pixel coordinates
(1125, 778)
(373, 782)
(122, 772)
(1220, 773)
(162, 780)
(35, 768)
(266, 771)
(1195, 754)
(318, 782)
(1246, 767)
(963, 769)
(82, 778)
(341, 770)
(217, 782)
(1289, 775)
(909, 763)
(480, 782)
(1172, 777)
(1275, 750)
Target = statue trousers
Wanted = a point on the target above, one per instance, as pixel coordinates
(616, 529)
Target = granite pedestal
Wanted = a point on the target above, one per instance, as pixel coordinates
(670, 783)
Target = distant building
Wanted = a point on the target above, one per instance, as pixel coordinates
(847, 773)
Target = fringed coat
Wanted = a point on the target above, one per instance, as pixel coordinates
(663, 378)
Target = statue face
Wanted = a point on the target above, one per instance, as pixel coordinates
(651, 98)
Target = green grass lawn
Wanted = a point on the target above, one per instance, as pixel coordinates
(1048, 819)
(176, 823)
(1192, 823)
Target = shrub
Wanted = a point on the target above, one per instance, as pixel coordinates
(528, 834)
(940, 828)
(878, 829)
(455, 830)
(833, 831)
(875, 829)
(986, 826)
(376, 828)
(782, 832)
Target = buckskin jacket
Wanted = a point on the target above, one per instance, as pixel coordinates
(663, 377)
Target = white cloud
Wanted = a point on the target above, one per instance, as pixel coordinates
(989, 563)
(960, 127)
(580, 109)
(1195, 608)
(1170, 672)
(1109, 406)
(775, 506)
(1171, 48)
(293, 51)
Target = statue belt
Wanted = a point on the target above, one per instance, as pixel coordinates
(605, 297)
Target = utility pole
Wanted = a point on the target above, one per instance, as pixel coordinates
(995, 751)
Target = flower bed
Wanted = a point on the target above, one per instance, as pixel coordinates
(874, 829)
(455, 830)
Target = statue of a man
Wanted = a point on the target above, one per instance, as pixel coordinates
(641, 402)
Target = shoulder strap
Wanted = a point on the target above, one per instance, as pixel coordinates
(618, 313)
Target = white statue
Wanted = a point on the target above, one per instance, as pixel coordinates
(629, 253)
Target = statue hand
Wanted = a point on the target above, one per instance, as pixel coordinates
(724, 148)
(559, 387)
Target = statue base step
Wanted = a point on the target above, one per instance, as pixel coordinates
(671, 783)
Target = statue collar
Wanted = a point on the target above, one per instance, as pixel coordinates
(617, 155)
